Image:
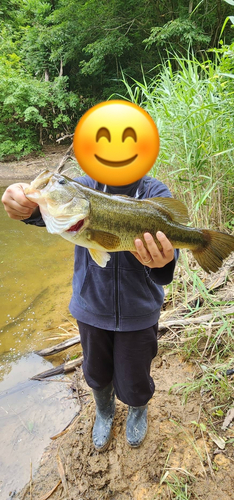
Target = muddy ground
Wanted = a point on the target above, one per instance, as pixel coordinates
(30, 166)
(177, 455)
(174, 446)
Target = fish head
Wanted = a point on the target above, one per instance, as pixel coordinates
(61, 201)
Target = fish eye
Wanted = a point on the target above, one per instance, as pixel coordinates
(129, 132)
(103, 132)
(62, 181)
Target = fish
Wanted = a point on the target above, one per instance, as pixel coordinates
(105, 223)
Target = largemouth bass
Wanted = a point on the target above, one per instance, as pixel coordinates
(106, 223)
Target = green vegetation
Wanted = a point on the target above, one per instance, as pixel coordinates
(59, 57)
(193, 108)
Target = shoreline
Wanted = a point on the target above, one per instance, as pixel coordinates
(26, 169)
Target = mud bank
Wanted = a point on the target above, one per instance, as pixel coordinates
(30, 166)
(174, 450)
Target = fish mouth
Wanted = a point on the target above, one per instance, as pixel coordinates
(76, 227)
(110, 163)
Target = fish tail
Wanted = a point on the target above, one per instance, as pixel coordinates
(215, 248)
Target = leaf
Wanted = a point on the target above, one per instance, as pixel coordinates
(202, 427)
(231, 2)
(219, 413)
(62, 473)
(217, 440)
(49, 493)
(228, 419)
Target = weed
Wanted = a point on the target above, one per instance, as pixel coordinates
(193, 109)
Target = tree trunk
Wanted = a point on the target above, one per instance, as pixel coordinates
(47, 76)
(61, 67)
(190, 9)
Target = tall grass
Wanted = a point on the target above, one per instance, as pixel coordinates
(192, 104)
(193, 107)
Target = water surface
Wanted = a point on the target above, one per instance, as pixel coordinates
(35, 287)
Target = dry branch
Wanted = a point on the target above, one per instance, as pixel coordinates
(192, 321)
(68, 136)
(50, 351)
(64, 159)
(67, 367)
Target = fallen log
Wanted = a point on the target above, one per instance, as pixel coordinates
(67, 367)
(50, 351)
(192, 321)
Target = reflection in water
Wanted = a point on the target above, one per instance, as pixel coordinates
(31, 413)
(35, 287)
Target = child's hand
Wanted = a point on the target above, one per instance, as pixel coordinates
(15, 202)
(152, 256)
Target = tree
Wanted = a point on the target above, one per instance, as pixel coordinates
(72, 53)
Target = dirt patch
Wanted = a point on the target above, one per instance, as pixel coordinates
(31, 165)
(174, 450)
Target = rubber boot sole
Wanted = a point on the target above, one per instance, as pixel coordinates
(138, 444)
(105, 446)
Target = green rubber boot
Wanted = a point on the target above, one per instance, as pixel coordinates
(105, 411)
(136, 427)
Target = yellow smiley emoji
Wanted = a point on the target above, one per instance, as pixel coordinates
(116, 142)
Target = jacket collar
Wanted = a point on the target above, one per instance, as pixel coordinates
(134, 189)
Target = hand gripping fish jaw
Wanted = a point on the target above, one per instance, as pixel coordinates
(62, 209)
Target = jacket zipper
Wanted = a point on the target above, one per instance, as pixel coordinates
(116, 291)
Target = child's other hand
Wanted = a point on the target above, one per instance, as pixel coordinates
(15, 202)
(151, 256)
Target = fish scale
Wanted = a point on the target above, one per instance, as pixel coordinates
(103, 223)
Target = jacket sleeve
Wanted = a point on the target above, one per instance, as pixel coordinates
(162, 275)
(35, 219)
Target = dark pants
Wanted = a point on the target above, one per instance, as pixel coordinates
(124, 357)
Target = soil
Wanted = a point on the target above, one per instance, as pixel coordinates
(31, 165)
(176, 453)
(173, 447)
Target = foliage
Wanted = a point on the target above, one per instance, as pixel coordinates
(194, 111)
(179, 34)
(32, 111)
(86, 44)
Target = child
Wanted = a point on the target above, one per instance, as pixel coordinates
(117, 309)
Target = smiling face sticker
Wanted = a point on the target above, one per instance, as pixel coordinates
(116, 142)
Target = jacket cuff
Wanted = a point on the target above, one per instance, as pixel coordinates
(163, 275)
(35, 219)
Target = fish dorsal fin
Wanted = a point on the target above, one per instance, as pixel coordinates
(101, 258)
(172, 208)
(108, 241)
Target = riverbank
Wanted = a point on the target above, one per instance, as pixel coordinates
(31, 165)
(175, 456)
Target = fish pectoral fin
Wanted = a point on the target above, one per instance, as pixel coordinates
(175, 209)
(108, 241)
(101, 258)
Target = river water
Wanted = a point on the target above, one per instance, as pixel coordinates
(35, 287)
